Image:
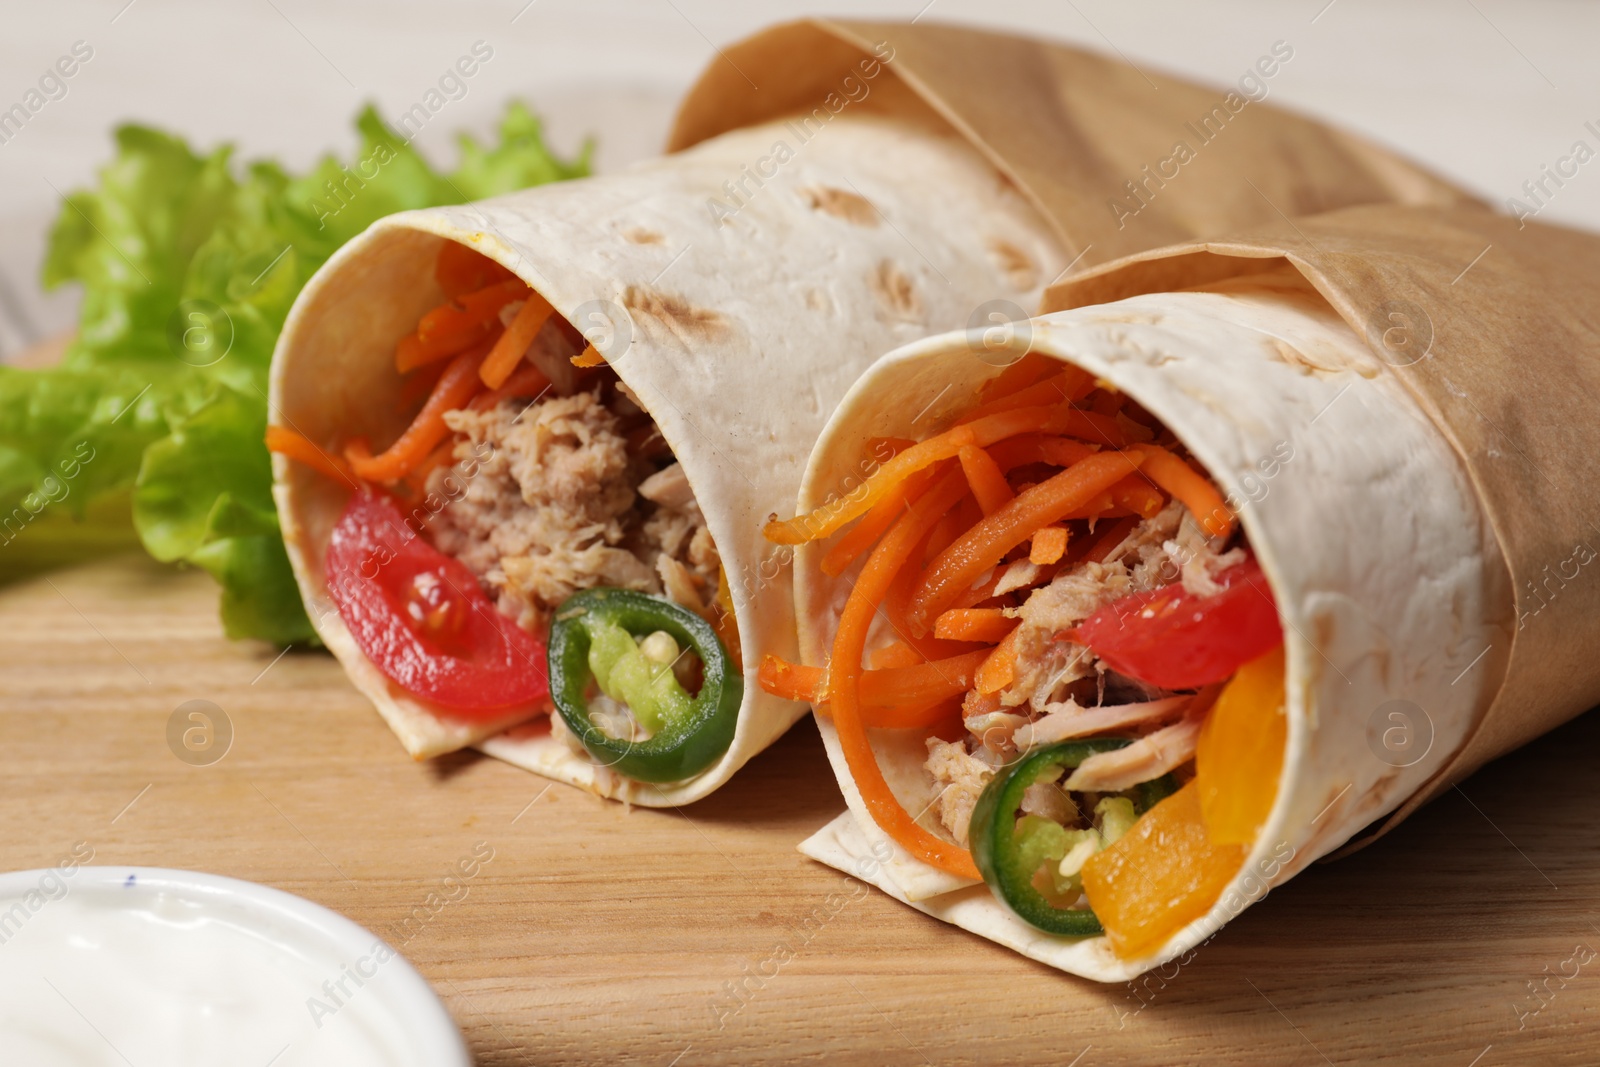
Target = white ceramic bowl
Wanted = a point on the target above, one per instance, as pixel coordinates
(130, 945)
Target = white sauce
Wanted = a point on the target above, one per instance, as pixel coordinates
(126, 974)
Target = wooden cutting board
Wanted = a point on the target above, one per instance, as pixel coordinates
(597, 934)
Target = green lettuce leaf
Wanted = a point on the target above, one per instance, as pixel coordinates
(151, 427)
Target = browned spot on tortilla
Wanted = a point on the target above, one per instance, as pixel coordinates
(896, 291)
(1014, 262)
(641, 236)
(674, 314)
(841, 205)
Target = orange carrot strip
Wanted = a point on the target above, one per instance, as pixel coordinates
(988, 482)
(1195, 490)
(861, 536)
(921, 683)
(1094, 507)
(480, 308)
(896, 654)
(417, 385)
(1049, 545)
(1138, 496)
(724, 621)
(791, 681)
(445, 453)
(978, 594)
(986, 544)
(287, 442)
(973, 624)
(589, 357)
(460, 270)
(937, 716)
(1070, 385)
(528, 381)
(1021, 374)
(1039, 448)
(845, 670)
(1106, 402)
(981, 432)
(912, 686)
(456, 386)
(999, 667)
(513, 344)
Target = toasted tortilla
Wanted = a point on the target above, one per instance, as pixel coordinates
(1388, 576)
(738, 288)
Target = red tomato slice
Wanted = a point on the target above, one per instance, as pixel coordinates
(421, 617)
(1174, 639)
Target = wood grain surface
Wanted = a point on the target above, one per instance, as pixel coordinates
(598, 934)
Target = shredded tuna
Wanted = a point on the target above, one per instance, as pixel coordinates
(1018, 575)
(1047, 799)
(1149, 757)
(961, 778)
(553, 508)
(1066, 721)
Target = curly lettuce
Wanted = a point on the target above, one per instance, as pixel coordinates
(150, 429)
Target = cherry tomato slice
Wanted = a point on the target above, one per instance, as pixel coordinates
(1172, 638)
(421, 617)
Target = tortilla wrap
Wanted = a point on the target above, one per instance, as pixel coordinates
(738, 332)
(765, 242)
(1388, 575)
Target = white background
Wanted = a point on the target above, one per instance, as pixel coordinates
(1486, 91)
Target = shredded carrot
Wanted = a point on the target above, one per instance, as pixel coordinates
(1106, 401)
(445, 453)
(412, 352)
(513, 344)
(301, 449)
(528, 381)
(1039, 448)
(1094, 507)
(937, 716)
(1021, 374)
(861, 536)
(725, 622)
(987, 481)
(986, 544)
(978, 593)
(1138, 496)
(452, 328)
(1195, 490)
(792, 681)
(589, 357)
(943, 535)
(999, 667)
(896, 654)
(988, 625)
(418, 384)
(982, 432)
(1071, 385)
(1049, 545)
(476, 309)
(1135, 432)
(455, 387)
(915, 685)
(845, 671)
(460, 270)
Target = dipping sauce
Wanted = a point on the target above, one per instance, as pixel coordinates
(100, 967)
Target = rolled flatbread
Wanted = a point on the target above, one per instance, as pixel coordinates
(1389, 579)
(735, 322)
